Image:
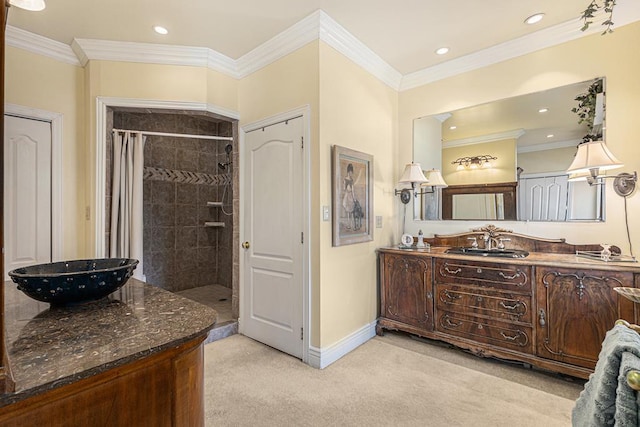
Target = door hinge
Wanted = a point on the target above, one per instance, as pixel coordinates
(302, 142)
(301, 333)
(302, 237)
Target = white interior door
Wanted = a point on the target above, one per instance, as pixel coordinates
(273, 224)
(27, 192)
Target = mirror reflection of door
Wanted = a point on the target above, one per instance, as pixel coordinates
(27, 192)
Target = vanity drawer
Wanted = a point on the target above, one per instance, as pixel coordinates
(491, 275)
(498, 305)
(501, 334)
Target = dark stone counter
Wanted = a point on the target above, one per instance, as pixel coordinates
(53, 346)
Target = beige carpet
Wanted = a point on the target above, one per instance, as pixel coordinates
(388, 381)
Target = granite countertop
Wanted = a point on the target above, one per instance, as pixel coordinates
(52, 346)
(535, 258)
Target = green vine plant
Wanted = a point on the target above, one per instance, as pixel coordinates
(593, 8)
(586, 110)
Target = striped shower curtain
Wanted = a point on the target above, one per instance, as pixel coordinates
(126, 198)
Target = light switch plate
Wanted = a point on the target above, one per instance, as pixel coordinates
(326, 216)
(378, 221)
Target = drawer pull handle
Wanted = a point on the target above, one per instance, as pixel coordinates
(450, 296)
(479, 270)
(510, 307)
(504, 276)
(452, 324)
(456, 271)
(541, 318)
(510, 338)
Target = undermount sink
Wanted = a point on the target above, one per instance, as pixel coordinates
(499, 253)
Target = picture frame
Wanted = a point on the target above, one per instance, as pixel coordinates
(352, 196)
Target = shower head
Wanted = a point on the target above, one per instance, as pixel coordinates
(227, 149)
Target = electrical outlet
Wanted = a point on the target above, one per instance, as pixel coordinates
(379, 221)
(326, 215)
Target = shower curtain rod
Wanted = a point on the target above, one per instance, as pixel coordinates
(179, 135)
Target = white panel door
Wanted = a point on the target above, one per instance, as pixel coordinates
(272, 299)
(27, 192)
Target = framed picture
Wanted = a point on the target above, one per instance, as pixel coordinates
(352, 196)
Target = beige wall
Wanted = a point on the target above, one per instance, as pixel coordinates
(42, 83)
(503, 169)
(359, 112)
(556, 160)
(575, 61)
(284, 85)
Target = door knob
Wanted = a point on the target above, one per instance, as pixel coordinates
(245, 245)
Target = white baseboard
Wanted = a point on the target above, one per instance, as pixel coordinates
(323, 357)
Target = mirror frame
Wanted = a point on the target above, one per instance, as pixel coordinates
(507, 189)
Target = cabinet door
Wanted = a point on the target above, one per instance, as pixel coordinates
(575, 310)
(406, 290)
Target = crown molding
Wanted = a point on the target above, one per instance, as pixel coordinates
(39, 45)
(108, 50)
(549, 146)
(286, 42)
(336, 36)
(548, 37)
(511, 134)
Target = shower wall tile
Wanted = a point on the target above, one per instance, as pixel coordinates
(186, 159)
(186, 215)
(187, 238)
(186, 194)
(163, 215)
(164, 239)
(163, 192)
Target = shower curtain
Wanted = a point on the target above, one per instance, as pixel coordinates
(126, 198)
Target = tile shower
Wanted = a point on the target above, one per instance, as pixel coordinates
(181, 176)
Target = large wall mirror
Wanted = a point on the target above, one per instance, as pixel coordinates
(506, 160)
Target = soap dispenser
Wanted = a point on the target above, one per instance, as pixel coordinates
(420, 243)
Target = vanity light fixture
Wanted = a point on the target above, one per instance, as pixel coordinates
(474, 162)
(533, 19)
(593, 158)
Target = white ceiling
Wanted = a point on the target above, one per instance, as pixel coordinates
(404, 33)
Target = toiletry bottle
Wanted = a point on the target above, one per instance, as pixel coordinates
(420, 243)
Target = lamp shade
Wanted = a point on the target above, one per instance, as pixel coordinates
(33, 5)
(435, 178)
(413, 174)
(593, 155)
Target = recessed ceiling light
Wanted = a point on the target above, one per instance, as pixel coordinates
(543, 110)
(453, 127)
(442, 50)
(550, 135)
(160, 30)
(534, 18)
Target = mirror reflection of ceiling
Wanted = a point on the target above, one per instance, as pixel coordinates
(404, 35)
(522, 112)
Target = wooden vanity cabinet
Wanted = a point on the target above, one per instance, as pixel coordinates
(575, 310)
(550, 309)
(406, 297)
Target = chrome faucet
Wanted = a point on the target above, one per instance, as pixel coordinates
(494, 242)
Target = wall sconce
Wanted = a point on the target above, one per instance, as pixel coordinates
(413, 175)
(474, 162)
(33, 5)
(594, 157)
